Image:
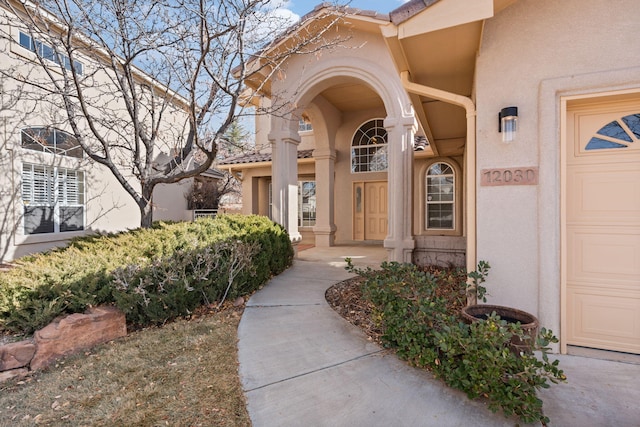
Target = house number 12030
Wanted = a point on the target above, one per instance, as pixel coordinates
(509, 176)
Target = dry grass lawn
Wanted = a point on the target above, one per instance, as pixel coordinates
(183, 374)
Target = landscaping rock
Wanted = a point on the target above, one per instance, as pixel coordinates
(16, 355)
(14, 373)
(77, 332)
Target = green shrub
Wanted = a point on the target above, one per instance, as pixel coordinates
(175, 285)
(420, 323)
(477, 359)
(152, 274)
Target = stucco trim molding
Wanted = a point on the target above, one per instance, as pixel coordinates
(385, 83)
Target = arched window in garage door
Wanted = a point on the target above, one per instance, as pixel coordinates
(621, 133)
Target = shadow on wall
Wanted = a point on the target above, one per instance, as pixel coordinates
(12, 219)
(8, 226)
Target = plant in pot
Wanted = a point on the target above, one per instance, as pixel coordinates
(475, 312)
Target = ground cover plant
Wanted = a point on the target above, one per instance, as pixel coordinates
(153, 275)
(182, 374)
(417, 315)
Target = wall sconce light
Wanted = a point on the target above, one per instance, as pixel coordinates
(508, 123)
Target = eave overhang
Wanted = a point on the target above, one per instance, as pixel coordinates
(437, 43)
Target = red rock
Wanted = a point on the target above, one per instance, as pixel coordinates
(77, 332)
(16, 354)
(14, 373)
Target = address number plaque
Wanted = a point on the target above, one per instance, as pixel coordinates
(509, 176)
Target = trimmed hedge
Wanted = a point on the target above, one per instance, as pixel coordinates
(153, 275)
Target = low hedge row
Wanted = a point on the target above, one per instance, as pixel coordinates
(153, 275)
(418, 320)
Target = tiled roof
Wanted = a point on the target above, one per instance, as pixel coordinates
(419, 144)
(260, 157)
(409, 9)
(347, 10)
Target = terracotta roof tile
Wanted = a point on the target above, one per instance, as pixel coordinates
(409, 9)
(260, 157)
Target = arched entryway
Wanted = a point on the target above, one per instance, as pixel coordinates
(340, 96)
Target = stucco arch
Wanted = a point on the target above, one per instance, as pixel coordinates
(399, 121)
(327, 73)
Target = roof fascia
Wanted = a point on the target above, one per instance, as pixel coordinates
(239, 166)
(353, 18)
(445, 14)
(328, 12)
(394, 46)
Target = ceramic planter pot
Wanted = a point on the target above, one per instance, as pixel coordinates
(529, 322)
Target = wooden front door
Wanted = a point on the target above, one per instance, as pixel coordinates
(602, 225)
(370, 210)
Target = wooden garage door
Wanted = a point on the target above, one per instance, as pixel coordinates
(603, 225)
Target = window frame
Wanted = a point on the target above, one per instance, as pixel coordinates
(304, 125)
(370, 150)
(454, 196)
(55, 190)
(621, 133)
(44, 51)
(300, 203)
(50, 147)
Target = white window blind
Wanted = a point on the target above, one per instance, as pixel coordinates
(53, 199)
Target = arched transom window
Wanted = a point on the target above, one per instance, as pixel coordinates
(369, 148)
(51, 140)
(621, 133)
(440, 209)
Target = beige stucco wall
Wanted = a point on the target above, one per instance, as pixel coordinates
(108, 207)
(533, 53)
(169, 202)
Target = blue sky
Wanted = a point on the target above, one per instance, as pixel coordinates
(301, 7)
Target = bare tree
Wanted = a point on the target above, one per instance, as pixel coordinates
(163, 124)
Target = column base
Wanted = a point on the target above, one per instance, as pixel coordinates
(400, 250)
(325, 236)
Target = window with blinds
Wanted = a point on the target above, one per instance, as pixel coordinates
(53, 199)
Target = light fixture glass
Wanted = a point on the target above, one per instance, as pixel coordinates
(508, 123)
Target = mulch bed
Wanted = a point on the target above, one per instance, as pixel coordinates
(347, 300)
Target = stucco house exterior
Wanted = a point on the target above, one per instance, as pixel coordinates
(50, 191)
(405, 135)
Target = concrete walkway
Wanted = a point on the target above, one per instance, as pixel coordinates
(301, 364)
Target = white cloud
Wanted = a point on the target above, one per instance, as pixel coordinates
(286, 15)
(284, 9)
(272, 21)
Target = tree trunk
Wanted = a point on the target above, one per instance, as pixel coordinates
(146, 207)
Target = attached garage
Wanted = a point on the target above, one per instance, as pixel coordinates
(601, 230)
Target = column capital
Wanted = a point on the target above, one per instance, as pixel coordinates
(404, 121)
(324, 154)
(289, 136)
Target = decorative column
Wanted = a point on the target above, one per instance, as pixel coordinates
(400, 241)
(284, 172)
(325, 228)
